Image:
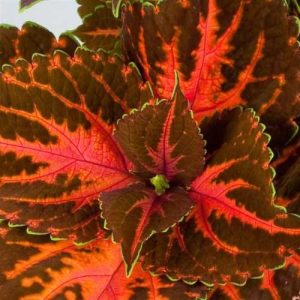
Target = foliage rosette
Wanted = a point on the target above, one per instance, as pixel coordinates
(186, 185)
(221, 240)
(160, 140)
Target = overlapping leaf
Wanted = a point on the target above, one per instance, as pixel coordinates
(160, 140)
(163, 139)
(227, 53)
(102, 24)
(27, 3)
(57, 153)
(286, 161)
(100, 29)
(287, 180)
(42, 270)
(275, 285)
(87, 7)
(137, 212)
(31, 38)
(224, 238)
(294, 7)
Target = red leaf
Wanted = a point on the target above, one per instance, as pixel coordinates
(228, 53)
(42, 270)
(57, 153)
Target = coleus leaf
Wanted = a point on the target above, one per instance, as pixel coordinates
(24, 4)
(287, 180)
(39, 269)
(102, 25)
(274, 285)
(87, 7)
(57, 152)
(228, 53)
(161, 140)
(100, 28)
(31, 38)
(137, 212)
(286, 162)
(224, 237)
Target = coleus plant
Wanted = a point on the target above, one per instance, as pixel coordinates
(142, 164)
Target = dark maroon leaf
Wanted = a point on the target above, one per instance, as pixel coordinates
(163, 139)
(31, 38)
(294, 7)
(100, 28)
(28, 3)
(87, 7)
(137, 212)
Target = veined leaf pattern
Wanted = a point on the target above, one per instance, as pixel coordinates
(224, 238)
(137, 212)
(100, 28)
(228, 53)
(40, 269)
(163, 139)
(57, 151)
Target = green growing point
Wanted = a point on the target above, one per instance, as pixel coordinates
(160, 183)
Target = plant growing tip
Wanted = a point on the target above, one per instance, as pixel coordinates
(160, 183)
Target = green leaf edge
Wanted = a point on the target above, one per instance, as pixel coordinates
(116, 8)
(68, 33)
